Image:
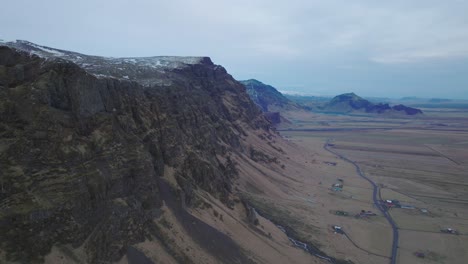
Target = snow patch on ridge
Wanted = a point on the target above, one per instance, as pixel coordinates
(145, 70)
(81, 59)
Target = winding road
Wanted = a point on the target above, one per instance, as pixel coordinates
(375, 197)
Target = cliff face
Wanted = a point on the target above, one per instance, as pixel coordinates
(83, 146)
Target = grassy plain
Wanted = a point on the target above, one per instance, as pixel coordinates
(422, 162)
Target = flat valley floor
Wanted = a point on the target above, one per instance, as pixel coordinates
(421, 162)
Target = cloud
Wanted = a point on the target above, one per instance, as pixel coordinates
(394, 31)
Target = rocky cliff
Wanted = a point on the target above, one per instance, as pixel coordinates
(85, 142)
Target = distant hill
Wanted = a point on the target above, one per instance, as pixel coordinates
(439, 100)
(433, 103)
(351, 103)
(410, 98)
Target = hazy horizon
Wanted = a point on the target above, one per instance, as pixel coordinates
(375, 49)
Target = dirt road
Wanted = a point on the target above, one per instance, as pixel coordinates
(376, 201)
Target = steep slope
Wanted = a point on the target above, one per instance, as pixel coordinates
(350, 102)
(84, 152)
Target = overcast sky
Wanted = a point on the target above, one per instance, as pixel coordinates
(371, 47)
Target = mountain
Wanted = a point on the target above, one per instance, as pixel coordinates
(350, 103)
(145, 159)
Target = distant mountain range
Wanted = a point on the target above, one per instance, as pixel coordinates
(272, 102)
(351, 103)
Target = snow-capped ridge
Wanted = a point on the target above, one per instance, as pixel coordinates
(141, 69)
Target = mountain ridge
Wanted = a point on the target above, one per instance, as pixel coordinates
(145, 70)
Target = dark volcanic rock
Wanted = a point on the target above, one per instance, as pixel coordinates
(83, 144)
